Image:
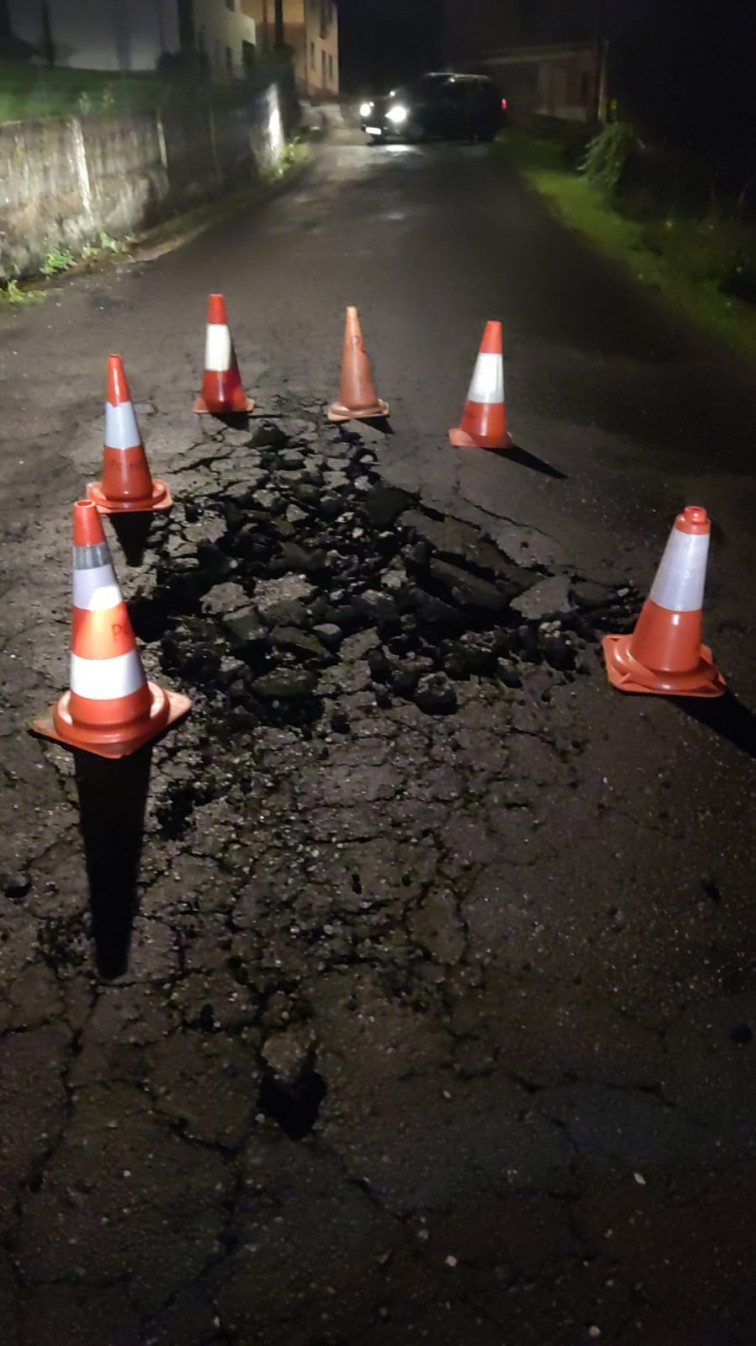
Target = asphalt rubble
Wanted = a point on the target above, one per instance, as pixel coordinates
(363, 1048)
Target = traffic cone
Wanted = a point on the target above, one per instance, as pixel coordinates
(126, 485)
(484, 419)
(664, 654)
(222, 392)
(111, 709)
(358, 400)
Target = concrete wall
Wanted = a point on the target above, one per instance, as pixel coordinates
(63, 181)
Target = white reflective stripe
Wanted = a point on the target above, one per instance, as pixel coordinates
(487, 383)
(217, 347)
(679, 582)
(121, 429)
(90, 585)
(106, 679)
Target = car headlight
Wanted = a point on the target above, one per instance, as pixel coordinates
(397, 114)
(365, 109)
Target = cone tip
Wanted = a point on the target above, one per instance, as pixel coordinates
(118, 388)
(87, 525)
(693, 519)
(491, 343)
(216, 310)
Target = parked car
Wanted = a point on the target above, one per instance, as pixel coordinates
(438, 105)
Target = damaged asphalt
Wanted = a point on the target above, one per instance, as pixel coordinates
(406, 992)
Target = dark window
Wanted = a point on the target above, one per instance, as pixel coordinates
(330, 66)
(229, 60)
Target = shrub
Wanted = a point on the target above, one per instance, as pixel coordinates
(607, 154)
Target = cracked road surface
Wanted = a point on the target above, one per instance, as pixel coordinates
(407, 991)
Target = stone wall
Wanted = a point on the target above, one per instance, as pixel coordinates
(65, 181)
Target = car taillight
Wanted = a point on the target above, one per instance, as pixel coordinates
(503, 104)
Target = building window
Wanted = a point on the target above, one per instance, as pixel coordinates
(330, 68)
(312, 55)
(229, 61)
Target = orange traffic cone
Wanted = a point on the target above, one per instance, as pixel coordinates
(126, 485)
(358, 400)
(222, 392)
(484, 419)
(664, 654)
(111, 709)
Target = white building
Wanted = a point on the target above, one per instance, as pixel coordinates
(133, 34)
(224, 35)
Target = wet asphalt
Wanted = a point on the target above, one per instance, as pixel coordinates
(433, 1026)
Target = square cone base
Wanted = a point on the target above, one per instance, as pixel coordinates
(201, 408)
(461, 440)
(167, 708)
(160, 499)
(338, 412)
(628, 675)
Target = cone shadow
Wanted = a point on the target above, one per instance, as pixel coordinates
(525, 459)
(112, 802)
(380, 423)
(350, 430)
(727, 716)
(132, 531)
(234, 420)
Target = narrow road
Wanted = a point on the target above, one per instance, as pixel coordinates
(431, 1015)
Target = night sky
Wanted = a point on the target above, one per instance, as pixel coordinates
(384, 41)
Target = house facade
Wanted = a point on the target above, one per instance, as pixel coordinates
(311, 30)
(549, 81)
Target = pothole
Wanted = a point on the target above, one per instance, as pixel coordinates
(271, 595)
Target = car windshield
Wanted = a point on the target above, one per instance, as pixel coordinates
(425, 86)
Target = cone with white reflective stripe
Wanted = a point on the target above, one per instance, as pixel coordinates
(357, 400)
(484, 419)
(222, 391)
(111, 708)
(127, 486)
(664, 654)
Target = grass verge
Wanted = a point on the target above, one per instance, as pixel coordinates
(31, 91)
(691, 262)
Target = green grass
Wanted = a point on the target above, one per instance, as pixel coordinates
(28, 92)
(691, 262)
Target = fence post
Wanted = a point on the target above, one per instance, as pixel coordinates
(161, 139)
(82, 168)
(213, 144)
